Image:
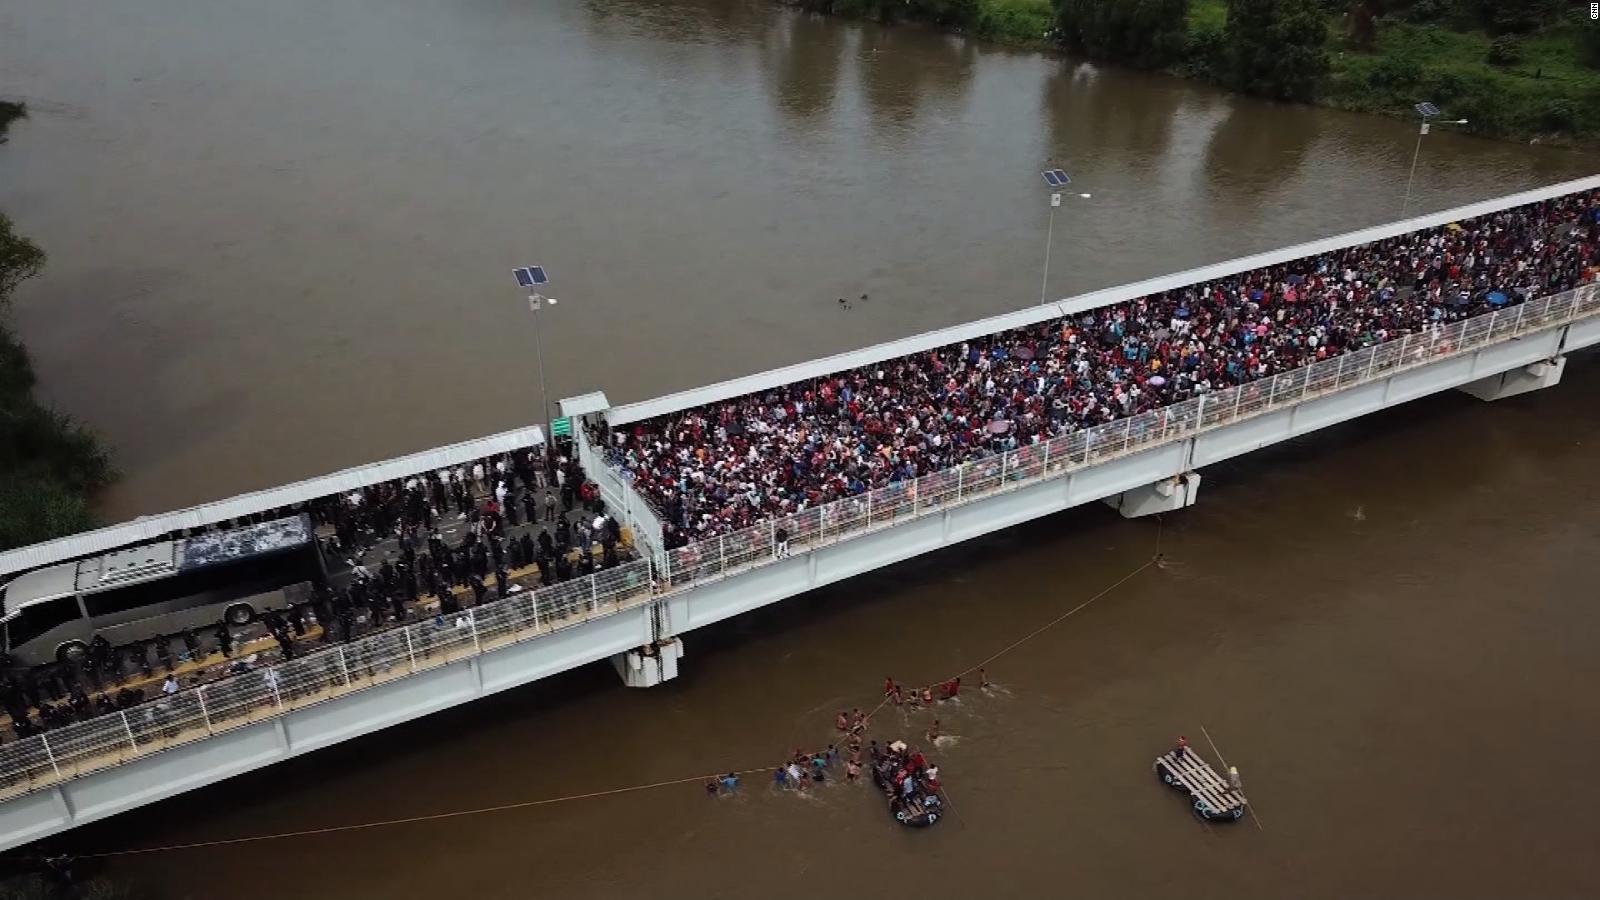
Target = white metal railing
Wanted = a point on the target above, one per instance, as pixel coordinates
(198, 713)
(716, 557)
(322, 674)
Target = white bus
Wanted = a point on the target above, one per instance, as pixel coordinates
(158, 589)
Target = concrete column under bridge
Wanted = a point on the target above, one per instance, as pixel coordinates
(651, 664)
(1533, 377)
(1166, 495)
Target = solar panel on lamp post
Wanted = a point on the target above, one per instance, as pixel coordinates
(1056, 179)
(1426, 111)
(532, 277)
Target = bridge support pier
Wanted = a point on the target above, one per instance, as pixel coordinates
(1166, 495)
(1542, 374)
(651, 664)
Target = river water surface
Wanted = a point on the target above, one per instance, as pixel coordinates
(280, 239)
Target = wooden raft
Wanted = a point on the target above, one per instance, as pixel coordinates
(1214, 797)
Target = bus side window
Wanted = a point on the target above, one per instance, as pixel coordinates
(40, 618)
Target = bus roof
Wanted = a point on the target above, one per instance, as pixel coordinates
(160, 559)
(238, 543)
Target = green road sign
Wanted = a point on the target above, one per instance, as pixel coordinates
(561, 427)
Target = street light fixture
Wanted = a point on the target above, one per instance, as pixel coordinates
(1055, 178)
(1426, 111)
(527, 277)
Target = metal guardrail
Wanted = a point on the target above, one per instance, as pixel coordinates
(201, 712)
(713, 558)
(198, 713)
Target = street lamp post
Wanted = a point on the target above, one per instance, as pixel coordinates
(1056, 179)
(1427, 111)
(528, 277)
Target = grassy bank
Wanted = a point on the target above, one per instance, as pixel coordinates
(1542, 85)
(49, 465)
(1542, 91)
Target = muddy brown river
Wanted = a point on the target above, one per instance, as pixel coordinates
(281, 238)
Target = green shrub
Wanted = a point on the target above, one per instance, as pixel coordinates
(1504, 51)
(1207, 54)
(1276, 48)
(1589, 44)
(1393, 73)
(1147, 34)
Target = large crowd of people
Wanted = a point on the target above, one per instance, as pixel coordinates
(516, 521)
(723, 466)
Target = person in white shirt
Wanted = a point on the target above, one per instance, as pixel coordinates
(170, 686)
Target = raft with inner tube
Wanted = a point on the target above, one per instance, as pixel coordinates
(1215, 799)
(923, 806)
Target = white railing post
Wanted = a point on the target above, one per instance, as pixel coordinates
(344, 667)
(1238, 399)
(272, 682)
(1338, 375)
(869, 508)
(411, 650)
(594, 594)
(772, 538)
(916, 497)
(126, 729)
(472, 623)
(961, 477)
(200, 694)
(1522, 310)
(722, 554)
(1372, 364)
(1003, 456)
(52, 757)
(1044, 468)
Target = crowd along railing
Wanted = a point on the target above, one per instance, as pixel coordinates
(716, 557)
(198, 713)
(266, 692)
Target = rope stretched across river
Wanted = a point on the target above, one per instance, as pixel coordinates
(528, 804)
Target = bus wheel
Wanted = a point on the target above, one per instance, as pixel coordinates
(71, 652)
(239, 614)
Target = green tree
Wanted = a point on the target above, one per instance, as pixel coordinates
(1276, 48)
(20, 259)
(1149, 34)
(49, 465)
(1589, 44)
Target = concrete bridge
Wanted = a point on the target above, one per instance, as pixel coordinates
(636, 615)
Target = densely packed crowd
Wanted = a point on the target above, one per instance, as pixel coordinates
(398, 527)
(723, 466)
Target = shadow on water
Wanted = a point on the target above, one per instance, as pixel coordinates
(713, 22)
(802, 59)
(1121, 120)
(1256, 150)
(903, 66)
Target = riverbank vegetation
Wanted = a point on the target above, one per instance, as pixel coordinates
(9, 112)
(49, 465)
(1524, 70)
